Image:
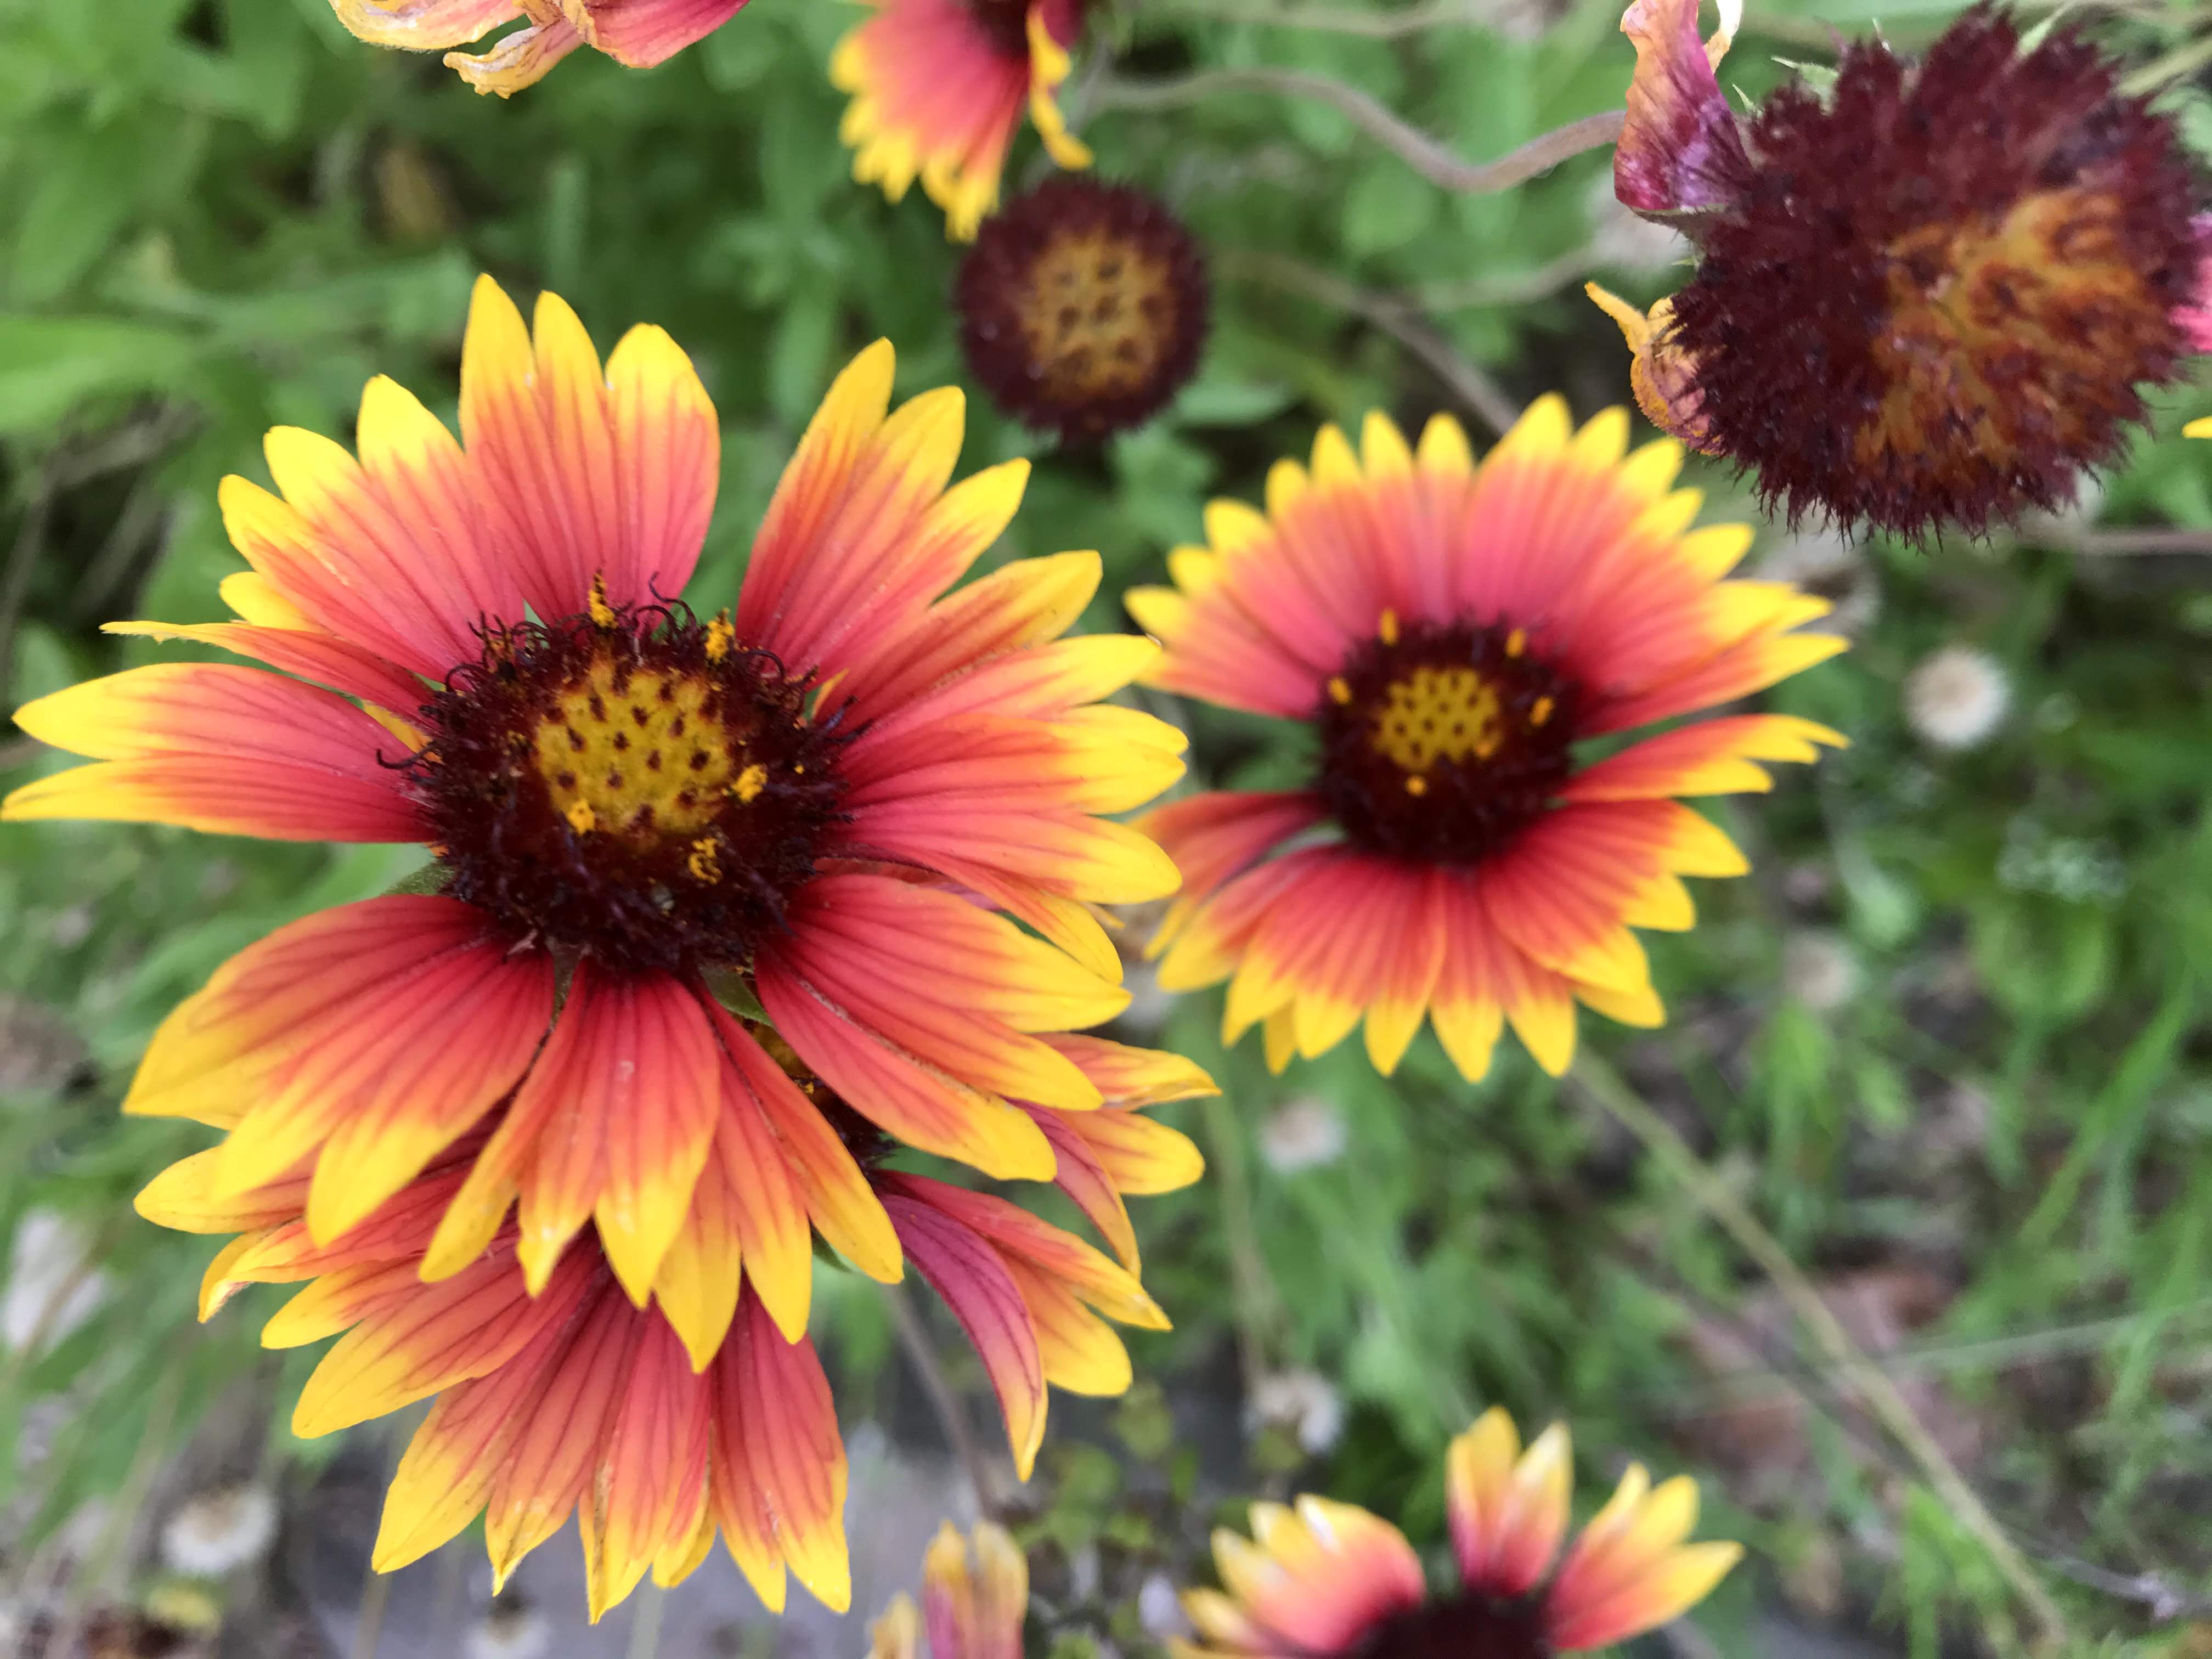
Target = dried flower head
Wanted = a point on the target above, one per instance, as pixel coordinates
(216, 1532)
(1083, 307)
(1948, 330)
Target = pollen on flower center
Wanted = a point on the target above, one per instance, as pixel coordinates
(1472, 1625)
(1438, 743)
(629, 784)
(1439, 713)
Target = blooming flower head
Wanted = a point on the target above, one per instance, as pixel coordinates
(1449, 634)
(1951, 329)
(662, 1425)
(1083, 307)
(827, 808)
(1322, 1578)
(638, 32)
(939, 87)
(974, 1598)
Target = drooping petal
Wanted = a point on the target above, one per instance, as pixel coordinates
(380, 1031)
(842, 1207)
(1680, 150)
(966, 1272)
(920, 1105)
(643, 33)
(613, 1123)
(424, 25)
(462, 1327)
(520, 58)
(937, 97)
(652, 1477)
(780, 1471)
(861, 942)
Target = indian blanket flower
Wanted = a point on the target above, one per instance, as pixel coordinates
(1952, 329)
(1450, 634)
(1083, 307)
(1321, 1579)
(637, 33)
(700, 1412)
(831, 805)
(939, 89)
(975, 1596)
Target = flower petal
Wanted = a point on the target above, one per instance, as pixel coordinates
(1680, 150)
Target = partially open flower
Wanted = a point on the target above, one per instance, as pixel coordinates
(939, 87)
(638, 32)
(973, 1599)
(1324, 1579)
(1082, 306)
(1948, 329)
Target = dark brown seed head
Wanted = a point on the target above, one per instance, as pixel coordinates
(1083, 307)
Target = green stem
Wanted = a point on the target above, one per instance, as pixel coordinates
(1426, 156)
(1602, 1084)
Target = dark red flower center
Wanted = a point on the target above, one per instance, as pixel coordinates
(1469, 1625)
(1440, 743)
(630, 783)
(1008, 23)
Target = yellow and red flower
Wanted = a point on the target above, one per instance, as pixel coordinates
(1323, 1579)
(939, 87)
(974, 1597)
(703, 1410)
(1450, 633)
(833, 804)
(636, 32)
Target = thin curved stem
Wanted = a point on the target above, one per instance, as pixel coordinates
(914, 1340)
(1330, 20)
(1602, 1084)
(1401, 320)
(1426, 156)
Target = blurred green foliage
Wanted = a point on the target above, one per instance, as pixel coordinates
(224, 214)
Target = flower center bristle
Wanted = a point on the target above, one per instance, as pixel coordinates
(1469, 1625)
(1097, 314)
(628, 783)
(1439, 743)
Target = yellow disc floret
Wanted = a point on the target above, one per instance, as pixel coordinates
(1438, 714)
(642, 762)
